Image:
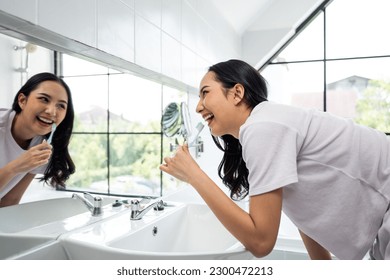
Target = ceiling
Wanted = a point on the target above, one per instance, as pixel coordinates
(240, 14)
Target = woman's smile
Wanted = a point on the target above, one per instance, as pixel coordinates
(44, 124)
(208, 118)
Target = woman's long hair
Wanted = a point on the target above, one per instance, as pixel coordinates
(61, 165)
(232, 169)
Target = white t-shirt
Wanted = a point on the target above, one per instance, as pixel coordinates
(335, 174)
(10, 150)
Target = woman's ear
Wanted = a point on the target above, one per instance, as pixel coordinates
(239, 92)
(22, 100)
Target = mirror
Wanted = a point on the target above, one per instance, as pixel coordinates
(176, 121)
(171, 120)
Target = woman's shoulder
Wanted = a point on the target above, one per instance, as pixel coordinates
(269, 112)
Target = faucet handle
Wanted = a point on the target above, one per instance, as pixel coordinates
(159, 206)
(135, 205)
(97, 201)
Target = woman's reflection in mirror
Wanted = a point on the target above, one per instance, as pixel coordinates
(43, 103)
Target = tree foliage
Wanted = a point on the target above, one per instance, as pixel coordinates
(373, 109)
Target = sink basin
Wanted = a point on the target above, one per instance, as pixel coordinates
(189, 231)
(31, 225)
(11, 244)
(33, 214)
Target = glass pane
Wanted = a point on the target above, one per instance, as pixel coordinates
(298, 84)
(90, 100)
(134, 164)
(73, 66)
(357, 28)
(308, 45)
(89, 154)
(360, 89)
(135, 104)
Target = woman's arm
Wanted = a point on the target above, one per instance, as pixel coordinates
(29, 160)
(315, 250)
(256, 230)
(13, 196)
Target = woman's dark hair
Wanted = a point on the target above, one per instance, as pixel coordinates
(60, 166)
(232, 169)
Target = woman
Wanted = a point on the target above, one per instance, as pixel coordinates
(330, 176)
(43, 101)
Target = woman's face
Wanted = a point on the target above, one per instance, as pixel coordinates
(216, 106)
(45, 105)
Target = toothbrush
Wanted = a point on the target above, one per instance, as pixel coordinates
(53, 129)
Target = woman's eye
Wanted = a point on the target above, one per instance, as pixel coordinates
(44, 99)
(62, 106)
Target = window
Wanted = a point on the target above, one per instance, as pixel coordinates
(117, 143)
(340, 63)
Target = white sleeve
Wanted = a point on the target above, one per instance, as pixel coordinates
(270, 154)
(39, 170)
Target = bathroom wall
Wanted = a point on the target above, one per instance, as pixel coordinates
(175, 38)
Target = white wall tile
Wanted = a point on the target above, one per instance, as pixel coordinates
(202, 38)
(149, 33)
(202, 67)
(147, 44)
(72, 18)
(190, 22)
(129, 3)
(115, 25)
(171, 57)
(171, 18)
(189, 71)
(25, 9)
(150, 10)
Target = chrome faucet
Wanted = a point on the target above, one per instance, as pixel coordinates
(93, 203)
(137, 212)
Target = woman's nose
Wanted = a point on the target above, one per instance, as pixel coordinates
(51, 109)
(199, 106)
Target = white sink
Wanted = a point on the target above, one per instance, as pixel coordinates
(186, 231)
(31, 225)
(34, 214)
(11, 245)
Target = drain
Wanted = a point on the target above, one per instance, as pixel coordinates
(154, 231)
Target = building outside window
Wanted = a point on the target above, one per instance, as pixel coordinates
(339, 63)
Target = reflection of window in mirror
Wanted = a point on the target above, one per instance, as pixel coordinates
(118, 144)
(349, 76)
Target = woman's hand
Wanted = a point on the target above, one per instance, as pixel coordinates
(181, 165)
(34, 157)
